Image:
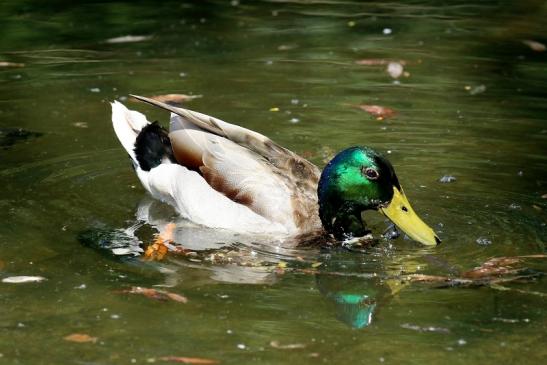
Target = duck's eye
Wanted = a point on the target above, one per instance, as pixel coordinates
(370, 173)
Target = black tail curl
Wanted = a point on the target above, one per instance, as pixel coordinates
(153, 146)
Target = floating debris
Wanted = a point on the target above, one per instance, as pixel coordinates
(515, 206)
(128, 39)
(80, 338)
(378, 111)
(462, 342)
(474, 90)
(186, 360)
(11, 64)
(535, 45)
(378, 62)
(494, 267)
(414, 327)
(287, 47)
(387, 31)
(155, 294)
(95, 90)
(509, 320)
(483, 241)
(447, 179)
(80, 125)
(23, 279)
(291, 346)
(274, 109)
(395, 69)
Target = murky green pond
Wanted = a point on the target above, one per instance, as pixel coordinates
(470, 102)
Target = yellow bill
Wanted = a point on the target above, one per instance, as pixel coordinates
(401, 213)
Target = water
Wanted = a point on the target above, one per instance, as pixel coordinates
(473, 106)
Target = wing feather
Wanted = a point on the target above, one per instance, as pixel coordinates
(246, 166)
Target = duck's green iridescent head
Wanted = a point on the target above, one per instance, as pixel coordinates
(359, 179)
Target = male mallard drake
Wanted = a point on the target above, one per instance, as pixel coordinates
(224, 176)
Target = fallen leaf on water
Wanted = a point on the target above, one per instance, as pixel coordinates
(23, 279)
(290, 346)
(535, 45)
(173, 98)
(80, 338)
(128, 39)
(380, 112)
(189, 360)
(316, 264)
(155, 294)
(11, 64)
(177, 297)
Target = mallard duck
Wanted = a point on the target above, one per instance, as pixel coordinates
(220, 175)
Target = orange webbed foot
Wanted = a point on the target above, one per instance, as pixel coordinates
(158, 249)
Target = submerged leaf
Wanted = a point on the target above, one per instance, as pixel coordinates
(80, 338)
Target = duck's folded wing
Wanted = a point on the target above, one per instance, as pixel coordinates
(262, 145)
(196, 200)
(246, 167)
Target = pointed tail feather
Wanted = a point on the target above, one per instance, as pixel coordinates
(127, 125)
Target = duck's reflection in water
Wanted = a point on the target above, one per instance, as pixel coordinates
(355, 295)
(355, 299)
